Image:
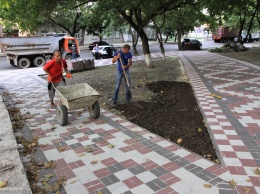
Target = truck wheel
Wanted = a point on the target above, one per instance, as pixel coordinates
(94, 110)
(24, 63)
(62, 115)
(68, 57)
(39, 61)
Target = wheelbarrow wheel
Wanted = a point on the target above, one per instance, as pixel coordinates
(62, 115)
(94, 110)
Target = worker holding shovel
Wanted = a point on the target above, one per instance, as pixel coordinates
(124, 61)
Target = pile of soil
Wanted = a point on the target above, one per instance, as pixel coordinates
(173, 113)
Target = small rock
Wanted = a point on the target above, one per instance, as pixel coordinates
(20, 146)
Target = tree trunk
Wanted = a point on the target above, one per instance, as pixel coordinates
(175, 37)
(134, 41)
(166, 39)
(135, 44)
(146, 49)
(251, 21)
(1, 30)
(122, 35)
(242, 22)
(159, 37)
(82, 40)
(179, 39)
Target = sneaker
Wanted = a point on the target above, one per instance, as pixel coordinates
(53, 106)
(129, 101)
(114, 103)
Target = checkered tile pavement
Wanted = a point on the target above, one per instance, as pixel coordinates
(233, 119)
(140, 162)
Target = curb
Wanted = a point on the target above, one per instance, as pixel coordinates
(16, 176)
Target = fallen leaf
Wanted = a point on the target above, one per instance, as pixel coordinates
(232, 182)
(88, 149)
(43, 145)
(248, 181)
(49, 164)
(199, 130)
(257, 171)
(99, 192)
(216, 96)
(94, 162)
(217, 161)
(48, 175)
(247, 190)
(111, 146)
(32, 144)
(207, 186)
(61, 149)
(81, 154)
(179, 140)
(3, 184)
(72, 182)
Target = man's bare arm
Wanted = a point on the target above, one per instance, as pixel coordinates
(115, 58)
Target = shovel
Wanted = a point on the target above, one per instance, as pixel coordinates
(124, 71)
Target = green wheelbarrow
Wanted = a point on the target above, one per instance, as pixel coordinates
(78, 96)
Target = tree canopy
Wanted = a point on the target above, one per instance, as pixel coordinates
(99, 17)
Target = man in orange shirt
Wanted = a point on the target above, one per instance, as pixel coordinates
(53, 69)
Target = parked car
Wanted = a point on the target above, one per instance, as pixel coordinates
(188, 41)
(100, 43)
(106, 51)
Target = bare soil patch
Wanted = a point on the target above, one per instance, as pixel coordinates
(162, 102)
(173, 114)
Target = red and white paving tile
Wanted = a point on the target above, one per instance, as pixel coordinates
(228, 92)
(126, 158)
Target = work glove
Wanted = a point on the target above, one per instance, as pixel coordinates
(69, 75)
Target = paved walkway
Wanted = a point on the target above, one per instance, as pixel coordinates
(142, 162)
(233, 120)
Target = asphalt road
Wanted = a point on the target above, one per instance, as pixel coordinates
(4, 64)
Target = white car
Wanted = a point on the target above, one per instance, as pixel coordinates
(105, 51)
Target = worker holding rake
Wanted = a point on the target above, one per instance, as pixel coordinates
(124, 61)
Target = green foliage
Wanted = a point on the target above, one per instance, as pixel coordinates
(71, 20)
(235, 13)
(216, 50)
(97, 21)
(5, 3)
(30, 14)
(9, 28)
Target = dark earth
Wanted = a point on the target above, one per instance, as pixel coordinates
(172, 114)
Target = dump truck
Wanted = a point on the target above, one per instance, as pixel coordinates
(224, 34)
(24, 52)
